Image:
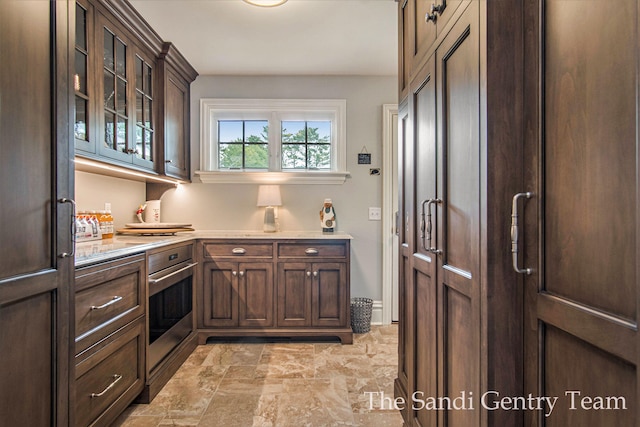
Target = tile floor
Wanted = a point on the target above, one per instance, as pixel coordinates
(280, 385)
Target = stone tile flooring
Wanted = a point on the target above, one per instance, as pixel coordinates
(279, 384)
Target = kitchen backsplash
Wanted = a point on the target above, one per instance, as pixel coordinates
(92, 191)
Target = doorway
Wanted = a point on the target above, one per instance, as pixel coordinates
(390, 209)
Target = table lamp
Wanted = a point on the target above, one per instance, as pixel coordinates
(269, 197)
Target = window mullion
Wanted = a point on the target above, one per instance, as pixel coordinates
(275, 142)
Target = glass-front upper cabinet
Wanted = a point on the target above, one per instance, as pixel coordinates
(127, 99)
(113, 79)
(144, 124)
(82, 83)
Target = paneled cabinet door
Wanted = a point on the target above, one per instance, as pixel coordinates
(457, 234)
(312, 294)
(255, 289)
(36, 266)
(420, 281)
(220, 294)
(581, 231)
(238, 294)
(429, 21)
(440, 338)
(294, 294)
(329, 294)
(176, 125)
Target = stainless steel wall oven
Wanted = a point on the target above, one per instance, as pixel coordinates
(170, 310)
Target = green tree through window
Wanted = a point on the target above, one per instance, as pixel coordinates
(306, 145)
(243, 144)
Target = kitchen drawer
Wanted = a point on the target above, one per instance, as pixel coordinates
(108, 296)
(312, 250)
(169, 257)
(242, 249)
(110, 375)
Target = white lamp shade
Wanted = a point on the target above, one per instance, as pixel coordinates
(269, 195)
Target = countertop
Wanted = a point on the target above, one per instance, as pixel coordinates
(95, 251)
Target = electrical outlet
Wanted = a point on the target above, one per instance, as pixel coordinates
(375, 214)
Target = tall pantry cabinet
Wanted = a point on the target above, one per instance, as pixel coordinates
(519, 194)
(35, 220)
(460, 310)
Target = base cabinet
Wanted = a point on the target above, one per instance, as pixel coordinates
(110, 330)
(238, 294)
(280, 288)
(110, 376)
(311, 294)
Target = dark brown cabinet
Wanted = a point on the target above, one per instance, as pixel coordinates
(115, 88)
(519, 198)
(110, 307)
(36, 180)
(580, 227)
(279, 288)
(311, 294)
(175, 77)
(238, 294)
(421, 23)
(131, 92)
(459, 318)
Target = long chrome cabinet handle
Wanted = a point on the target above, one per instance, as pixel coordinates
(116, 378)
(73, 228)
(515, 233)
(173, 273)
(112, 301)
(427, 226)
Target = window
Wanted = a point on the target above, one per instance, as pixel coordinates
(306, 145)
(243, 144)
(272, 140)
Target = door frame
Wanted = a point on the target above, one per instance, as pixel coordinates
(389, 194)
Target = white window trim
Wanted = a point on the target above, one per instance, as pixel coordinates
(212, 109)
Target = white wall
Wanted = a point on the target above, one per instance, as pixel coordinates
(92, 191)
(232, 206)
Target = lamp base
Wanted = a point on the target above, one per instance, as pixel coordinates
(269, 220)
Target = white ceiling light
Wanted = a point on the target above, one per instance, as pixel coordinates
(266, 3)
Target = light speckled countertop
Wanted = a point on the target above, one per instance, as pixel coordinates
(95, 251)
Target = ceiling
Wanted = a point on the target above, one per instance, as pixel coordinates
(301, 37)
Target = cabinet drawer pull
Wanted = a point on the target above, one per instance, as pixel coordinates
(116, 378)
(238, 251)
(315, 274)
(113, 300)
(308, 274)
(311, 251)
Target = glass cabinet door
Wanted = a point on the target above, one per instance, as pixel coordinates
(83, 88)
(115, 85)
(144, 121)
(126, 105)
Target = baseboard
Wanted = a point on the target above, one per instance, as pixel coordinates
(376, 313)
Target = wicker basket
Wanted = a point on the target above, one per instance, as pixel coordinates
(361, 309)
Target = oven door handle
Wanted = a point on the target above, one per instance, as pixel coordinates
(173, 273)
